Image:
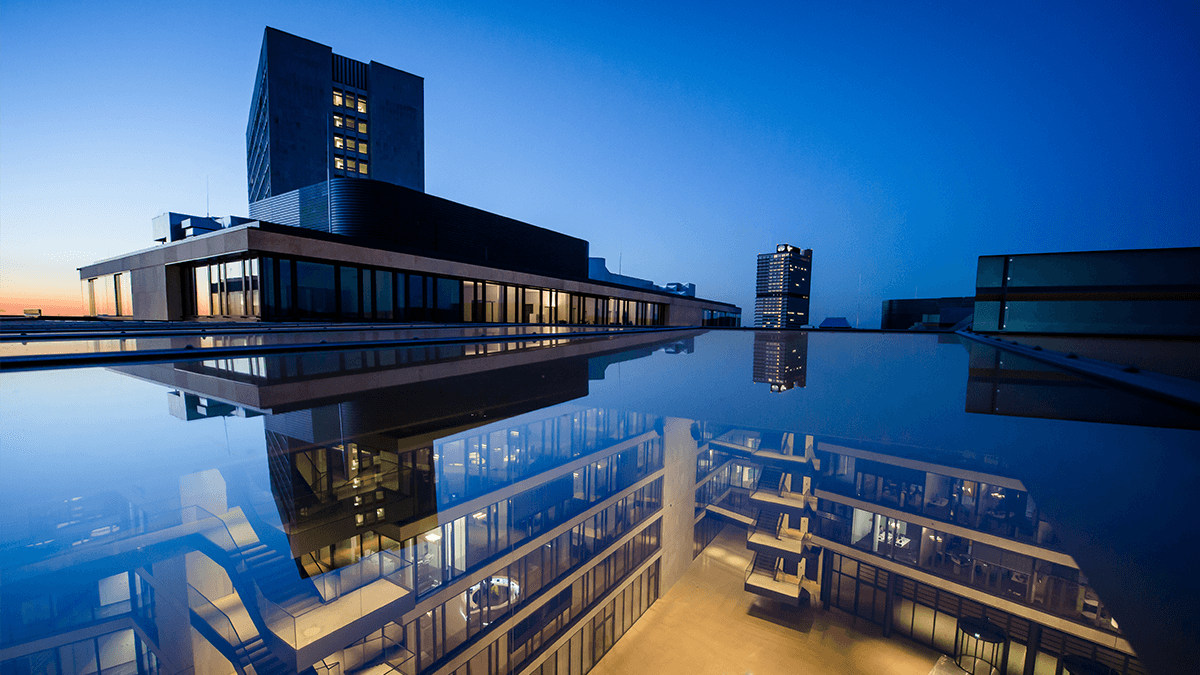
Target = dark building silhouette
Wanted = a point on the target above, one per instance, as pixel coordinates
(1132, 292)
(928, 313)
(783, 284)
(316, 115)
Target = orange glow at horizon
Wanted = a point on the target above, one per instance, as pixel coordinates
(51, 304)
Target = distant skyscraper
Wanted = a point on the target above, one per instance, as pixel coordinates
(317, 115)
(779, 359)
(781, 295)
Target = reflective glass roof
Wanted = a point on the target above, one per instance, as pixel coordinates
(312, 498)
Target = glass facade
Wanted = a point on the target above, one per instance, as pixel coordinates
(1050, 587)
(931, 615)
(441, 633)
(226, 289)
(714, 318)
(120, 652)
(108, 295)
(1001, 510)
(307, 290)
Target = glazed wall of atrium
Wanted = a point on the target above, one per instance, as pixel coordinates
(904, 543)
(537, 538)
(975, 529)
(548, 547)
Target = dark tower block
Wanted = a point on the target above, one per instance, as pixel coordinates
(317, 115)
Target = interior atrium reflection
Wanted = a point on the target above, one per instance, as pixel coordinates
(515, 507)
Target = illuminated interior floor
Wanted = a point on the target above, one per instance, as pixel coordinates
(707, 623)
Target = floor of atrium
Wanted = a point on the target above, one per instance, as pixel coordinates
(714, 626)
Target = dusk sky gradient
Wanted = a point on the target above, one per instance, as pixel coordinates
(900, 141)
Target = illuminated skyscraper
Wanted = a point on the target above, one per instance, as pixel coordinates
(781, 294)
(779, 359)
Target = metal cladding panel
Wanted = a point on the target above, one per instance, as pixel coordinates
(297, 424)
(307, 207)
(412, 221)
(360, 208)
(283, 209)
(314, 207)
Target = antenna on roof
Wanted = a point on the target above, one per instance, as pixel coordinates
(207, 211)
(858, 312)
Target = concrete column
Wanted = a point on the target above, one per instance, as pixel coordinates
(173, 289)
(1031, 648)
(679, 500)
(887, 605)
(826, 577)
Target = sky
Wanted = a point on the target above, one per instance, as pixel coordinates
(899, 141)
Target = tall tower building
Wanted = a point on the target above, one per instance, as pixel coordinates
(780, 358)
(781, 294)
(317, 115)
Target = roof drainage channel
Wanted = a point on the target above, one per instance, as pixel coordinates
(51, 361)
(1175, 391)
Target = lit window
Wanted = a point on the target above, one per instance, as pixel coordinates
(337, 121)
(350, 144)
(362, 104)
(350, 165)
(362, 167)
(362, 147)
(337, 97)
(339, 142)
(362, 127)
(339, 163)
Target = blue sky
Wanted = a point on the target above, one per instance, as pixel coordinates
(900, 141)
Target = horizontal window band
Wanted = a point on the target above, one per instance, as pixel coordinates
(1026, 295)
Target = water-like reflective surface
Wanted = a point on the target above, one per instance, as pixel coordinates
(484, 507)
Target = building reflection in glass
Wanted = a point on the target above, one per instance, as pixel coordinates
(473, 509)
(905, 543)
(780, 358)
(1003, 383)
(463, 514)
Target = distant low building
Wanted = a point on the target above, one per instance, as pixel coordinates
(598, 271)
(835, 322)
(925, 313)
(1130, 292)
